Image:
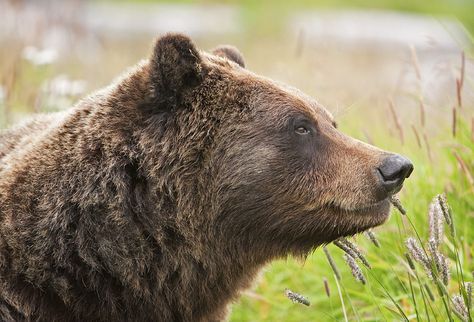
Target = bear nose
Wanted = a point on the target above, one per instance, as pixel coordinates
(393, 171)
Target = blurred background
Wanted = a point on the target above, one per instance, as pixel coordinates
(395, 73)
(344, 53)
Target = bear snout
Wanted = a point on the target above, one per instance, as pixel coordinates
(393, 171)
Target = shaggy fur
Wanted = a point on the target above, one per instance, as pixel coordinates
(160, 197)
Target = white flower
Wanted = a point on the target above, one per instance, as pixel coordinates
(40, 57)
(61, 85)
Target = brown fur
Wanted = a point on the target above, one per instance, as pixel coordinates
(160, 197)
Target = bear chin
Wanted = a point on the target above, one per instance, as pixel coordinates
(345, 222)
(333, 222)
(361, 219)
(378, 213)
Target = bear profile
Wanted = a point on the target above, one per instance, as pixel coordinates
(160, 197)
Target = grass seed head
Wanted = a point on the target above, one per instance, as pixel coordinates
(371, 235)
(352, 250)
(441, 262)
(459, 308)
(436, 222)
(446, 210)
(397, 204)
(445, 273)
(419, 255)
(296, 298)
(468, 286)
(345, 248)
(326, 287)
(355, 269)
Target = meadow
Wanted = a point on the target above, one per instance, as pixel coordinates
(391, 99)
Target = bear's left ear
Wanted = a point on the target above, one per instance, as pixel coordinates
(231, 53)
(176, 67)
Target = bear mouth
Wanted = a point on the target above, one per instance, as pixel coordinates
(357, 220)
(379, 211)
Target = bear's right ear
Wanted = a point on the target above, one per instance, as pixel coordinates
(176, 67)
(231, 53)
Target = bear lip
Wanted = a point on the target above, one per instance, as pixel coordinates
(382, 206)
(371, 208)
(378, 213)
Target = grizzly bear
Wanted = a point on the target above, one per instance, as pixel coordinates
(160, 197)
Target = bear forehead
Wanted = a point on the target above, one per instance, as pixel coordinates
(276, 94)
(289, 100)
(304, 103)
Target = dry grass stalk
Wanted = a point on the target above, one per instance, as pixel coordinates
(368, 138)
(10, 81)
(464, 168)
(355, 269)
(428, 148)
(11, 77)
(460, 80)
(454, 121)
(397, 204)
(458, 92)
(472, 129)
(352, 250)
(416, 65)
(326, 287)
(396, 120)
(38, 103)
(418, 141)
(296, 298)
(332, 263)
(422, 112)
(299, 43)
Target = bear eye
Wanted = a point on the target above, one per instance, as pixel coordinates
(301, 130)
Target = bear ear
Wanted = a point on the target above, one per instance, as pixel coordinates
(231, 53)
(176, 67)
